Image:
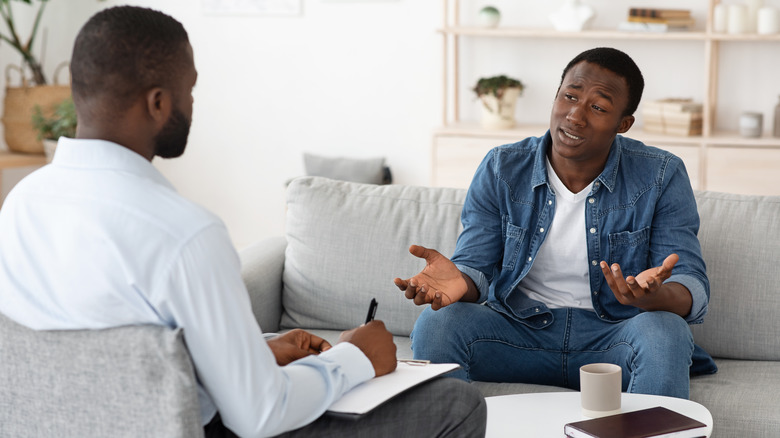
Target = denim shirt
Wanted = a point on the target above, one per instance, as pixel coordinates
(640, 210)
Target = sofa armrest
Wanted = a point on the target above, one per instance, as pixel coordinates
(262, 265)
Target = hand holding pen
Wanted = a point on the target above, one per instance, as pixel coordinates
(373, 339)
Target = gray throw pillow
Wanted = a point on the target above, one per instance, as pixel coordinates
(360, 170)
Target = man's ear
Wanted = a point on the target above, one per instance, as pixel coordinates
(159, 104)
(625, 124)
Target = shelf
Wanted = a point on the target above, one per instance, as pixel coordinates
(517, 32)
(11, 159)
(719, 139)
(752, 37)
(733, 139)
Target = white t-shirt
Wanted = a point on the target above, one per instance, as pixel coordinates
(559, 275)
(99, 238)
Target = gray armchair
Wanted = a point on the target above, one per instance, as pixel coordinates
(122, 382)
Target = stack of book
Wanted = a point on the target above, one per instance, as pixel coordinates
(657, 20)
(672, 117)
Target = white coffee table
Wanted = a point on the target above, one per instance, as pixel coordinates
(544, 414)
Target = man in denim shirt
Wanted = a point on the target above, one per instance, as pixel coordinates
(582, 246)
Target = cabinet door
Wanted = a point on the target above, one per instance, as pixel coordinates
(456, 158)
(743, 170)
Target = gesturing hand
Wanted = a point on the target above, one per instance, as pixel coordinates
(296, 344)
(440, 283)
(640, 291)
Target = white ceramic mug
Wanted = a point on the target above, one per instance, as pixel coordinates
(600, 389)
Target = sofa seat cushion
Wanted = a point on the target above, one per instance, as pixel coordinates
(742, 397)
(346, 242)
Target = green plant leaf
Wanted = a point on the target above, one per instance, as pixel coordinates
(496, 85)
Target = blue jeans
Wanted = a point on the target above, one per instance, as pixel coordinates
(653, 348)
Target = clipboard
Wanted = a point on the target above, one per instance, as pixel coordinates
(363, 398)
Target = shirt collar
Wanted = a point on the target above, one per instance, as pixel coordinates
(607, 177)
(105, 155)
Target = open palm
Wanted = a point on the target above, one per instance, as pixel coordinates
(440, 283)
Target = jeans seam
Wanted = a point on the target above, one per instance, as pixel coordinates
(501, 341)
(565, 349)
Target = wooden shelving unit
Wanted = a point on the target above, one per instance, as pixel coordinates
(460, 145)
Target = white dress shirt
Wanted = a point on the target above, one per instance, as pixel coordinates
(99, 238)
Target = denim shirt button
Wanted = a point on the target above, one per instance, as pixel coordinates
(536, 310)
(595, 292)
(530, 258)
(594, 263)
(544, 322)
(592, 231)
(549, 202)
(591, 201)
(541, 230)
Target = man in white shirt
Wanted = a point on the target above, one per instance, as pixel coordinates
(100, 238)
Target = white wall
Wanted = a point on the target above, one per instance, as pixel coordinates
(362, 78)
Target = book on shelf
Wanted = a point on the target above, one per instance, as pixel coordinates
(685, 22)
(659, 13)
(653, 422)
(673, 116)
(673, 105)
(679, 130)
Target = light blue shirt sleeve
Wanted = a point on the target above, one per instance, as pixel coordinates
(204, 293)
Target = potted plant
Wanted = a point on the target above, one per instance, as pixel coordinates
(498, 97)
(50, 129)
(33, 89)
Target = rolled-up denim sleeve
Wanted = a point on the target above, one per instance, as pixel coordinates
(698, 294)
(479, 280)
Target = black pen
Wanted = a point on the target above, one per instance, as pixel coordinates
(371, 310)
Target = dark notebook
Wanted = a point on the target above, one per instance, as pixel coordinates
(653, 422)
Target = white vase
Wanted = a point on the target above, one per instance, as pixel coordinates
(489, 17)
(573, 16)
(499, 113)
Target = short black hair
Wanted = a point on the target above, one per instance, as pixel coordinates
(619, 63)
(123, 51)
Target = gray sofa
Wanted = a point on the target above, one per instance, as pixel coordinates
(345, 242)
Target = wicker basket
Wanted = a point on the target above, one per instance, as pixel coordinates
(18, 110)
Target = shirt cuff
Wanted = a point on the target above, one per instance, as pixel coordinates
(355, 365)
(479, 280)
(698, 294)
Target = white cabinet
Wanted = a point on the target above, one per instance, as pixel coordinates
(717, 160)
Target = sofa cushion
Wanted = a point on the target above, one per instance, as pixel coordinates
(742, 397)
(362, 170)
(346, 242)
(740, 244)
(122, 382)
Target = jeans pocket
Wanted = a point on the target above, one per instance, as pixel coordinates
(513, 239)
(631, 250)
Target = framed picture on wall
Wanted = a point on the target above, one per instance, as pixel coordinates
(252, 7)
